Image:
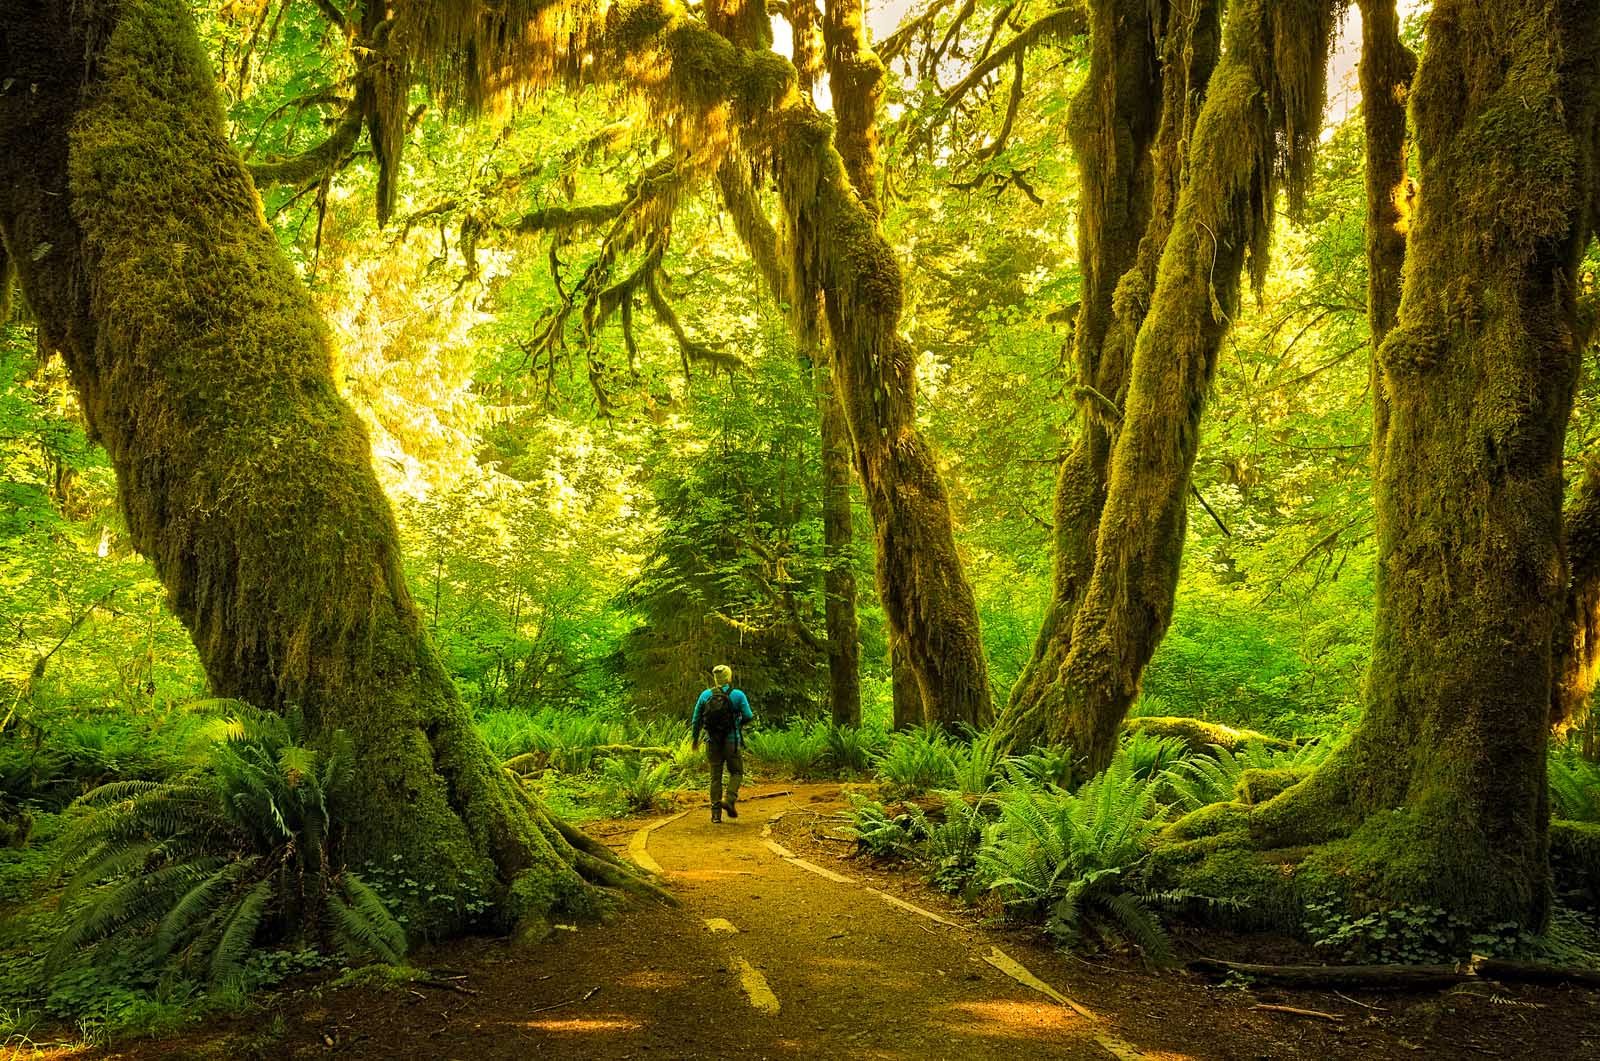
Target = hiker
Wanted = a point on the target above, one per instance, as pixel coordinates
(722, 712)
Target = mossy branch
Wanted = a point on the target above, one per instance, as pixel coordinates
(316, 163)
(1067, 21)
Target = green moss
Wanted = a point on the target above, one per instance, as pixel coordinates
(1575, 857)
(1253, 889)
(1259, 786)
(1199, 735)
(247, 480)
(1212, 820)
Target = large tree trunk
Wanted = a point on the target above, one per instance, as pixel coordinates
(1148, 70)
(1256, 130)
(245, 479)
(1439, 797)
(907, 711)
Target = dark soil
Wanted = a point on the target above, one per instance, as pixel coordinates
(854, 977)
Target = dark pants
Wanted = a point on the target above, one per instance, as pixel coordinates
(718, 754)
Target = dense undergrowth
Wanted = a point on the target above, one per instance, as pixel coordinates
(156, 872)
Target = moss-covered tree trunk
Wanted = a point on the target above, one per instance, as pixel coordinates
(1255, 132)
(838, 534)
(907, 712)
(837, 247)
(204, 370)
(1438, 799)
(1148, 69)
(847, 295)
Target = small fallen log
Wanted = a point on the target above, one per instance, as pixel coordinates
(1373, 976)
(1401, 977)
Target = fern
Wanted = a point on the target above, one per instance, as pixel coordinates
(917, 761)
(977, 768)
(637, 781)
(202, 863)
(1151, 755)
(797, 750)
(1043, 766)
(851, 749)
(1068, 858)
(1574, 786)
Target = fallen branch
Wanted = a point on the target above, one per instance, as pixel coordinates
(445, 985)
(1401, 977)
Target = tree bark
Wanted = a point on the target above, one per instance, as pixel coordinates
(244, 477)
(1439, 796)
(1148, 68)
(1387, 66)
(839, 582)
(1255, 132)
(847, 294)
(908, 712)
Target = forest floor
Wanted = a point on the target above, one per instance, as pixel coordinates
(785, 947)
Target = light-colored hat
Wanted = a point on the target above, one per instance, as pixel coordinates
(722, 674)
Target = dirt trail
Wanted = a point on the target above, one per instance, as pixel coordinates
(780, 949)
(831, 968)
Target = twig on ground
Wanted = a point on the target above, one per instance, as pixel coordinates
(445, 985)
(586, 996)
(1297, 1011)
(1357, 1002)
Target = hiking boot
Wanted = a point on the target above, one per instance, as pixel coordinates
(716, 819)
(728, 806)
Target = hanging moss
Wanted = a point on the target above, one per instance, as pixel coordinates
(1128, 125)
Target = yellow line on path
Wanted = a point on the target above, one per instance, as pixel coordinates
(895, 900)
(636, 848)
(755, 986)
(1118, 1048)
(778, 849)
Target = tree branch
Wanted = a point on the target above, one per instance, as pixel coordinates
(314, 164)
(1067, 21)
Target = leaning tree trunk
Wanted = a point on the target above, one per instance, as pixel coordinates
(1148, 69)
(1439, 797)
(835, 255)
(1256, 130)
(245, 478)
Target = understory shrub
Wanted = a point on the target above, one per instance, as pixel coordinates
(797, 750)
(233, 854)
(917, 760)
(1071, 859)
(639, 782)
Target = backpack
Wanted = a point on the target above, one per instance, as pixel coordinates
(719, 716)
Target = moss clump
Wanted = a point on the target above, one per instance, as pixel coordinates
(1198, 735)
(1258, 786)
(1575, 858)
(1212, 820)
(1255, 889)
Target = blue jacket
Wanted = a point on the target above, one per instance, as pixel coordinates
(741, 713)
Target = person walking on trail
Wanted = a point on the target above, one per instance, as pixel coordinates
(722, 712)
